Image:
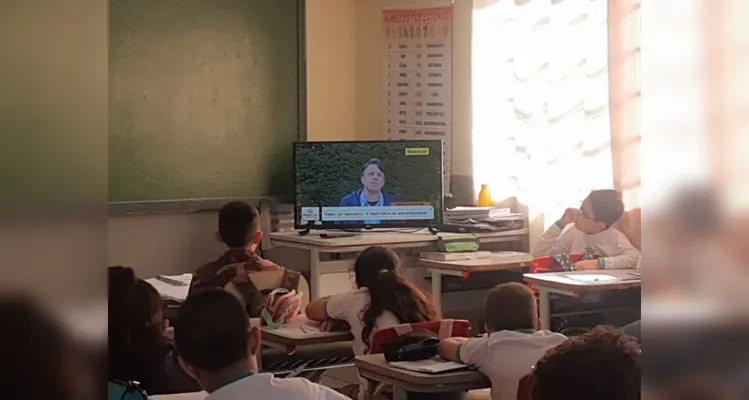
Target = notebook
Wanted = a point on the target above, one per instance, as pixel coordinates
(173, 287)
(430, 366)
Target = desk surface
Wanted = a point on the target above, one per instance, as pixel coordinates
(376, 368)
(496, 263)
(292, 334)
(374, 238)
(566, 280)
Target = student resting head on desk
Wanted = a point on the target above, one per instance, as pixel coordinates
(601, 364)
(513, 343)
(218, 347)
(592, 233)
(384, 298)
(239, 230)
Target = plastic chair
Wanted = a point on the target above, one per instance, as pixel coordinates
(443, 329)
(265, 280)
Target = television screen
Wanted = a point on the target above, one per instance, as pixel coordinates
(385, 184)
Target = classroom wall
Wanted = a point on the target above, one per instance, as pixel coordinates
(369, 95)
(331, 69)
(174, 243)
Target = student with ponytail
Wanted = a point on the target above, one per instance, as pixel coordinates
(383, 298)
(138, 350)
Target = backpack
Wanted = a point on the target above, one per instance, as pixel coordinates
(281, 306)
(121, 390)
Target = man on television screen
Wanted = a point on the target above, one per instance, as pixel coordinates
(371, 194)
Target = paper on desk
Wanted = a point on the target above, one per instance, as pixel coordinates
(591, 278)
(430, 366)
(298, 331)
(168, 291)
(180, 396)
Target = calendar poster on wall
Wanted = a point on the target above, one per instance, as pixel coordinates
(417, 77)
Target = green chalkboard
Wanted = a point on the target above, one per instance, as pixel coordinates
(204, 98)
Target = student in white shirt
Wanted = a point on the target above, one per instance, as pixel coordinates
(512, 345)
(592, 232)
(217, 346)
(384, 298)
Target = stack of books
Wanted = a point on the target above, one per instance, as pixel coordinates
(481, 219)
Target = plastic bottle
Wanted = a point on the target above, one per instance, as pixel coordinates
(485, 198)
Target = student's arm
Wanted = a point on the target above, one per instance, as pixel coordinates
(449, 348)
(553, 241)
(315, 310)
(627, 255)
(471, 351)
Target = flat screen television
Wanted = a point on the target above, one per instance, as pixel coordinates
(363, 185)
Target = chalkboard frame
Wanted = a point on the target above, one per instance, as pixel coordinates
(213, 204)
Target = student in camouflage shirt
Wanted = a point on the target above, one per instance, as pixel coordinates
(239, 229)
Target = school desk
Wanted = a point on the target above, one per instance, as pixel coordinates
(577, 282)
(300, 344)
(376, 369)
(499, 261)
(180, 396)
(332, 276)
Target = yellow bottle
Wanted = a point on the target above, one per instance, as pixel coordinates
(485, 198)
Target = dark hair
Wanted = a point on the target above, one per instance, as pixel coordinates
(136, 314)
(237, 222)
(379, 269)
(607, 206)
(601, 364)
(373, 161)
(38, 350)
(212, 330)
(511, 306)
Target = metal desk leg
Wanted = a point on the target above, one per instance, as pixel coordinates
(544, 306)
(314, 269)
(437, 290)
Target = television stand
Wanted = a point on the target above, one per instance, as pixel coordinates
(303, 232)
(433, 230)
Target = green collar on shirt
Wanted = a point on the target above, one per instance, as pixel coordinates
(528, 331)
(238, 376)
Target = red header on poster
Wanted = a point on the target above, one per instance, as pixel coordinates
(425, 15)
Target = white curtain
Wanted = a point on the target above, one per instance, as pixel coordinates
(541, 127)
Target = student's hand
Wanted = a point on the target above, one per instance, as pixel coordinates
(586, 265)
(333, 325)
(569, 216)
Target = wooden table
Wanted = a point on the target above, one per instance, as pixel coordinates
(375, 369)
(505, 260)
(567, 283)
(332, 276)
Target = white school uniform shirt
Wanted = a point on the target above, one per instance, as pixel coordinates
(266, 386)
(507, 356)
(350, 307)
(614, 247)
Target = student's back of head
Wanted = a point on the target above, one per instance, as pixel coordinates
(511, 306)
(212, 330)
(136, 323)
(238, 225)
(379, 270)
(601, 364)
